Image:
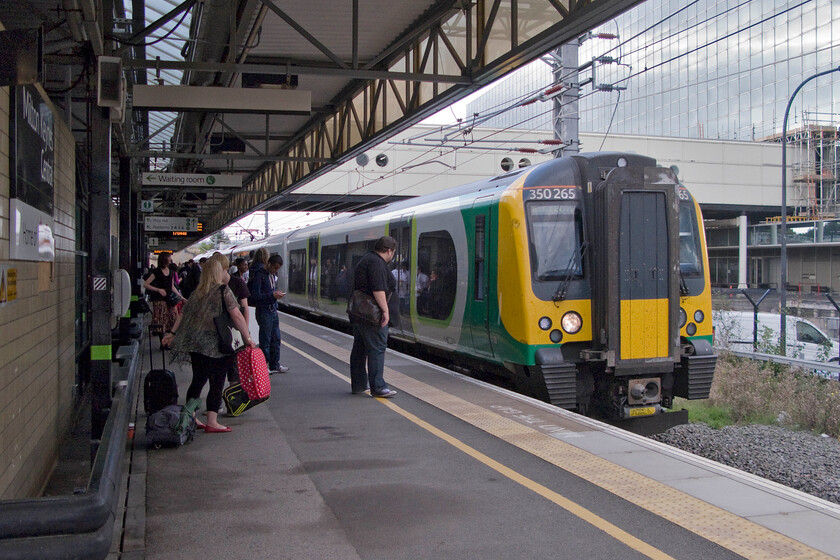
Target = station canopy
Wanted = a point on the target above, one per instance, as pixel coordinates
(275, 93)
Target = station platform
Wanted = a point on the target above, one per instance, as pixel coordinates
(449, 468)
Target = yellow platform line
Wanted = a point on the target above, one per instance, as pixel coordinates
(579, 511)
(717, 525)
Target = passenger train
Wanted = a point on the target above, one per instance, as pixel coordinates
(584, 280)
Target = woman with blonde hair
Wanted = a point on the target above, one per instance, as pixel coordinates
(195, 333)
(240, 291)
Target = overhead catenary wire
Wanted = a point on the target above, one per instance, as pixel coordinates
(460, 126)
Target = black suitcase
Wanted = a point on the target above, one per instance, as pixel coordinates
(159, 387)
(237, 401)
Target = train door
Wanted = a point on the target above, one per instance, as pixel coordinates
(312, 273)
(401, 268)
(644, 276)
(479, 303)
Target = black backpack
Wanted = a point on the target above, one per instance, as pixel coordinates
(171, 426)
(190, 282)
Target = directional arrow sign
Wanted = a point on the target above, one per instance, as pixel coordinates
(171, 223)
(191, 180)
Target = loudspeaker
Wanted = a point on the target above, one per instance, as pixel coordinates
(109, 82)
(21, 57)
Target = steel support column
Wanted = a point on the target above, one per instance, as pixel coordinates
(100, 265)
(128, 210)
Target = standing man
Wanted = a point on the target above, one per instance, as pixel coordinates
(262, 284)
(367, 359)
(241, 269)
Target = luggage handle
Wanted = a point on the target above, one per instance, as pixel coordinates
(162, 351)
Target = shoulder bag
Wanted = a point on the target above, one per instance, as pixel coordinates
(172, 299)
(230, 339)
(363, 309)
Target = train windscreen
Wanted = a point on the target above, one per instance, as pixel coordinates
(690, 264)
(555, 235)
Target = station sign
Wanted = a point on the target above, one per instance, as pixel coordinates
(172, 223)
(156, 179)
(31, 171)
(147, 205)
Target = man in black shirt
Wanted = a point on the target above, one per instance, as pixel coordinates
(369, 343)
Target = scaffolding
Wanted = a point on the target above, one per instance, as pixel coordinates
(815, 165)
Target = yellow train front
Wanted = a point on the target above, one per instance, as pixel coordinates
(610, 298)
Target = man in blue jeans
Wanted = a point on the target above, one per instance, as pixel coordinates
(369, 343)
(264, 296)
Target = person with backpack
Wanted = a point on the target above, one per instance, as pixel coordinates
(191, 276)
(195, 333)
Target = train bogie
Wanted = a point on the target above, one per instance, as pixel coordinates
(583, 279)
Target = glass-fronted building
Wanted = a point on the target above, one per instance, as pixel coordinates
(715, 69)
(706, 69)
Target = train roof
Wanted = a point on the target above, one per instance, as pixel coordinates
(482, 185)
(563, 166)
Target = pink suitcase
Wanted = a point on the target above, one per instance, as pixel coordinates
(253, 373)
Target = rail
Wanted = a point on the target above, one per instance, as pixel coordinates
(79, 526)
(833, 367)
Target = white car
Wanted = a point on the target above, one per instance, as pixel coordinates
(734, 330)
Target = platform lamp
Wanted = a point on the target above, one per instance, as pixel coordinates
(783, 280)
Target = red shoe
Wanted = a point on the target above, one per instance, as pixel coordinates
(200, 425)
(212, 430)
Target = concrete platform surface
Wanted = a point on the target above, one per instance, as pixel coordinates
(449, 468)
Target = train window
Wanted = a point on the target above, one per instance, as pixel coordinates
(401, 264)
(332, 265)
(297, 271)
(437, 274)
(479, 284)
(555, 236)
(690, 264)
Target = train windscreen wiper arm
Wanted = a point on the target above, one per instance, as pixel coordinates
(560, 294)
(684, 291)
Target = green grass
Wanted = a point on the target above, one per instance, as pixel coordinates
(701, 411)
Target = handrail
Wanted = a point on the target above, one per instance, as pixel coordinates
(75, 526)
(804, 364)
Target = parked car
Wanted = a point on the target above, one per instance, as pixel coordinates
(734, 330)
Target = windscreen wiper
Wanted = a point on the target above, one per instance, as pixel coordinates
(560, 294)
(684, 291)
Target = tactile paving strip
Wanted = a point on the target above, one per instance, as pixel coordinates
(710, 522)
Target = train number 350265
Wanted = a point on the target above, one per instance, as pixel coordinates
(538, 193)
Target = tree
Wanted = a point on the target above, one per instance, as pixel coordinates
(213, 242)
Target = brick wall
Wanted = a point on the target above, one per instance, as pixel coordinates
(37, 333)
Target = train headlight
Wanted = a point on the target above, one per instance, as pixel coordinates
(571, 322)
(556, 336)
(545, 323)
(698, 316)
(691, 329)
(683, 317)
